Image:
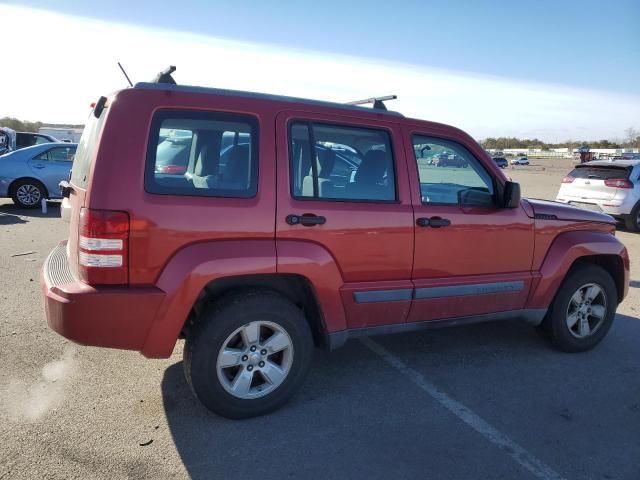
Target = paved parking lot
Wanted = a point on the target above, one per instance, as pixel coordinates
(485, 401)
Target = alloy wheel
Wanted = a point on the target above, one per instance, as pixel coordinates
(28, 194)
(255, 360)
(587, 310)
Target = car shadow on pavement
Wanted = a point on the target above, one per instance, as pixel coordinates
(355, 413)
(53, 211)
(9, 219)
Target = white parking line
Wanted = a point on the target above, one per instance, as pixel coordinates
(519, 454)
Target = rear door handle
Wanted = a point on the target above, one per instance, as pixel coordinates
(433, 222)
(308, 220)
(38, 166)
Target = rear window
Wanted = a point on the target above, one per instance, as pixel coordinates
(601, 173)
(209, 154)
(86, 150)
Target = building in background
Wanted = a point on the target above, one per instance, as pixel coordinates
(63, 133)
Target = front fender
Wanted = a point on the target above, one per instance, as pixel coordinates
(564, 251)
(189, 271)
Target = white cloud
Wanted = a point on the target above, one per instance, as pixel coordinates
(62, 63)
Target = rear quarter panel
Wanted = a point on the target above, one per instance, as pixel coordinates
(162, 225)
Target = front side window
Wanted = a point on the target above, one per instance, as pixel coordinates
(450, 174)
(202, 154)
(349, 163)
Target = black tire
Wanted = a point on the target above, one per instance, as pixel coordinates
(209, 334)
(555, 323)
(631, 221)
(32, 185)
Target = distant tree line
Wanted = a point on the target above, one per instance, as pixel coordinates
(631, 140)
(24, 126)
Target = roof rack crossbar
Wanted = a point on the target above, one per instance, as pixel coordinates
(377, 101)
(165, 76)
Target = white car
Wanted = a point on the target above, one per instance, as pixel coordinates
(520, 161)
(605, 186)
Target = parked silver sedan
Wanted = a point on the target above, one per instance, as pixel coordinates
(33, 173)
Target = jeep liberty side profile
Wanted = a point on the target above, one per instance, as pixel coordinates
(258, 226)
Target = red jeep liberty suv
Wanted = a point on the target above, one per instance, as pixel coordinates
(257, 226)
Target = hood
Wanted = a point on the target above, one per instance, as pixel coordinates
(547, 210)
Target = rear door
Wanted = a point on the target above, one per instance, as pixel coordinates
(352, 200)
(52, 166)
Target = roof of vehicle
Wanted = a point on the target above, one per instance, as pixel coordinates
(607, 163)
(262, 96)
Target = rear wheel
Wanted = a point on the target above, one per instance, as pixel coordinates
(632, 221)
(248, 354)
(28, 193)
(583, 310)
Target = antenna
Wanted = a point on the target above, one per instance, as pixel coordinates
(377, 101)
(125, 75)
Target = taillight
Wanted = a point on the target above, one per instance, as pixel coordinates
(618, 183)
(568, 179)
(103, 247)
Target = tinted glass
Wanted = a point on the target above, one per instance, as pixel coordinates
(450, 174)
(349, 163)
(202, 154)
(601, 173)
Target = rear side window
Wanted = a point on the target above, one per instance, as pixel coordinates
(601, 173)
(202, 154)
(349, 163)
(57, 154)
(86, 150)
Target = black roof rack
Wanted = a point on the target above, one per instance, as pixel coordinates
(377, 101)
(165, 75)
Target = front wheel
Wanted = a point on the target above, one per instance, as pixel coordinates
(248, 354)
(583, 310)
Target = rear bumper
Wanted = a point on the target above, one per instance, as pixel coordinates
(616, 207)
(114, 317)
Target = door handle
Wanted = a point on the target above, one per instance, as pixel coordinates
(308, 220)
(38, 166)
(433, 222)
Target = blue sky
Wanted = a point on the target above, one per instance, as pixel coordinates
(554, 71)
(583, 43)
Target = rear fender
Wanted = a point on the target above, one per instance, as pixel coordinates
(189, 271)
(565, 250)
(314, 262)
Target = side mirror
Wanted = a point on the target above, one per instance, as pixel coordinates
(511, 195)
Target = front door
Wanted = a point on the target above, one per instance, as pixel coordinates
(472, 256)
(343, 193)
